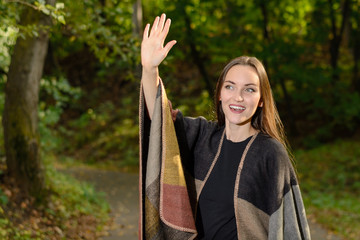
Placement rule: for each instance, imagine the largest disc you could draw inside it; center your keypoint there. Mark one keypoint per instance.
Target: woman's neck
(238, 133)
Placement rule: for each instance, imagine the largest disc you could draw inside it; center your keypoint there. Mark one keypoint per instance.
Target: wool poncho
(176, 159)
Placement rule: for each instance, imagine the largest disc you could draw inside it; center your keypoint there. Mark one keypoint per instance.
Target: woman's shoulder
(270, 149)
(268, 143)
(197, 129)
(200, 123)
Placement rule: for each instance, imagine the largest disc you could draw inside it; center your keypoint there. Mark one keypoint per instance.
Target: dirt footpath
(121, 191)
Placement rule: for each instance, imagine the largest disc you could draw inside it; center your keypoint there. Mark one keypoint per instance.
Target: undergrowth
(330, 181)
(102, 136)
(74, 210)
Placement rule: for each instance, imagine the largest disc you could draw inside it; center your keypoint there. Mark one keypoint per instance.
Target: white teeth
(237, 108)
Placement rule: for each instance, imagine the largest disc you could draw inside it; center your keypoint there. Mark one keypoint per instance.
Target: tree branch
(345, 14)
(22, 2)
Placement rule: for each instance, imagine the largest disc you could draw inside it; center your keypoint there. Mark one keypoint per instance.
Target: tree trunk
(336, 38)
(265, 27)
(356, 57)
(264, 12)
(20, 117)
(355, 34)
(137, 18)
(287, 97)
(195, 54)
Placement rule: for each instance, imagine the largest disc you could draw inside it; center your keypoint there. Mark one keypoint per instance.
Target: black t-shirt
(216, 213)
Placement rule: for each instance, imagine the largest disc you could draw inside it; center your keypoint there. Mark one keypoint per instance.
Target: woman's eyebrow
(251, 84)
(247, 84)
(230, 82)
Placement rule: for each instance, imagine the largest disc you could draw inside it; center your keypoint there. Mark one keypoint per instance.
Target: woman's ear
(261, 104)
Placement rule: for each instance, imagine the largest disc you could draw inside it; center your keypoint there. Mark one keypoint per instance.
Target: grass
(74, 210)
(330, 181)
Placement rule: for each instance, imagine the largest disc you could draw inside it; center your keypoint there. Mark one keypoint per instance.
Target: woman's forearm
(153, 53)
(150, 83)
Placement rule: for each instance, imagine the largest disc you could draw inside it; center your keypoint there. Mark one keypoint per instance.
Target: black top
(216, 214)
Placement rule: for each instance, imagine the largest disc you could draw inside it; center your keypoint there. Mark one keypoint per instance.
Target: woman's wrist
(150, 70)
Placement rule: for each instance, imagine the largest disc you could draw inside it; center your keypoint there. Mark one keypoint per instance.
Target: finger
(168, 46)
(146, 31)
(174, 113)
(166, 29)
(161, 22)
(154, 26)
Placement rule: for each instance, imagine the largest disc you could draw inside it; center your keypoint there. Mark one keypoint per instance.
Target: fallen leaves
(22, 218)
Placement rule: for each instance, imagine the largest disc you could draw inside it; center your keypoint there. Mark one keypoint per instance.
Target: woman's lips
(236, 108)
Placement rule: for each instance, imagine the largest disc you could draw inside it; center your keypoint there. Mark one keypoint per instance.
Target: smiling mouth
(237, 108)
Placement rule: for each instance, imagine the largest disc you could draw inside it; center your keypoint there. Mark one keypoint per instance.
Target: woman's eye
(251, 90)
(229, 87)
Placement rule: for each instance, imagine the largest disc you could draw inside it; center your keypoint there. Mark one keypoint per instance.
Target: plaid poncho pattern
(176, 160)
(165, 209)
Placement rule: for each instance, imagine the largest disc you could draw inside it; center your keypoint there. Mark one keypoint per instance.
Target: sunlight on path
(121, 191)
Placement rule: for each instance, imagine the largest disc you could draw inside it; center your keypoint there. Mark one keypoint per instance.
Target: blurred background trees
(20, 117)
(88, 98)
(310, 49)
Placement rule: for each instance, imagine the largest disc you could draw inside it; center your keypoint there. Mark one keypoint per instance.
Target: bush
(74, 210)
(330, 177)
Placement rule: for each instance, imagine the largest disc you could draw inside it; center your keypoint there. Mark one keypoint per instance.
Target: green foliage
(103, 135)
(72, 198)
(100, 34)
(201, 106)
(10, 11)
(290, 37)
(97, 52)
(330, 177)
(105, 27)
(2, 101)
(9, 232)
(7, 40)
(3, 198)
(56, 12)
(69, 200)
(55, 95)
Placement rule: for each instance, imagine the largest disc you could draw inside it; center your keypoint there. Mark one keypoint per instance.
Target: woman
(230, 179)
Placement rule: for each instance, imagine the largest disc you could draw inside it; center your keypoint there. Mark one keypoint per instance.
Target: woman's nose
(239, 97)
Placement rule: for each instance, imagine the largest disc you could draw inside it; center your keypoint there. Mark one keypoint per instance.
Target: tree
(337, 35)
(137, 18)
(267, 42)
(20, 117)
(355, 45)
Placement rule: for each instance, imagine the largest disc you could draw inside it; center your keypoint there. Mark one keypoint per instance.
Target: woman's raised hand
(153, 51)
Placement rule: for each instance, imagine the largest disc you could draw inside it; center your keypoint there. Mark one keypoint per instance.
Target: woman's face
(240, 95)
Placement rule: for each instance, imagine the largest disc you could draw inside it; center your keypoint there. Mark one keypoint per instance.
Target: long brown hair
(266, 118)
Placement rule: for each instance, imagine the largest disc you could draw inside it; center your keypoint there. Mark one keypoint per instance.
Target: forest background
(86, 96)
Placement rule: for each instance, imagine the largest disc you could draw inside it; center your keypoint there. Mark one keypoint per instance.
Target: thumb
(169, 45)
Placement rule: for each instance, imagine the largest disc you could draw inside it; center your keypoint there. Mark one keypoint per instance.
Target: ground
(121, 190)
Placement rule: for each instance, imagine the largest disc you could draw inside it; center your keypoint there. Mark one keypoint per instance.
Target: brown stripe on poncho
(165, 210)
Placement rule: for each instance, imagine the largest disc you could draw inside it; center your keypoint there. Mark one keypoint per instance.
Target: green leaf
(45, 11)
(60, 5)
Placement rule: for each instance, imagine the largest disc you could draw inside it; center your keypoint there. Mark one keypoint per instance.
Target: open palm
(153, 51)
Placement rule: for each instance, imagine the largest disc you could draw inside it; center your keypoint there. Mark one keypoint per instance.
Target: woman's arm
(153, 53)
